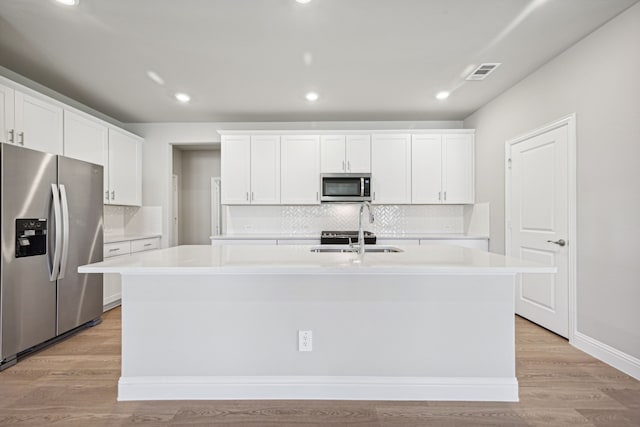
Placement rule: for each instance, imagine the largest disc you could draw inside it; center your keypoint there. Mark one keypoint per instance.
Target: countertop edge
(301, 271)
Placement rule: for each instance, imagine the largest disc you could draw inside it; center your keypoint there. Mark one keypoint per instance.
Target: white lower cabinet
(280, 242)
(111, 286)
(111, 283)
(398, 242)
(482, 244)
(227, 242)
(290, 242)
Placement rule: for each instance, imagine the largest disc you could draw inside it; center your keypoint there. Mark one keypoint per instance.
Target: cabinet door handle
(247, 196)
(106, 195)
(252, 196)
(343, 166)
(147, 244)
(349, 165)
(113, 195)
(12, 135)
(317, 195)
(114, 250)
(445, 196)
(374, 195)
(21, 136)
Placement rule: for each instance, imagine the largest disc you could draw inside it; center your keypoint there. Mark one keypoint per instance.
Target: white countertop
(316, 236)
(298, 259)
(112, 238)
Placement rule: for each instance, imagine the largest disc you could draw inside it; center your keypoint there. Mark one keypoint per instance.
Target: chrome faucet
(360, 227)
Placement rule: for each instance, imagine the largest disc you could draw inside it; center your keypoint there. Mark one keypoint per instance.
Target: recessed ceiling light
(303, 1)
(442, 95)
(311, 96)
(155, 77)
(68, 2)
(183, 97)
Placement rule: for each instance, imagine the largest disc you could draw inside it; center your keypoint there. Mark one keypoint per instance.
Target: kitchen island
(222, 322)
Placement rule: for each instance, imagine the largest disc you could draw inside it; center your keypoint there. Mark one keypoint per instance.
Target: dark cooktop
(345, 237)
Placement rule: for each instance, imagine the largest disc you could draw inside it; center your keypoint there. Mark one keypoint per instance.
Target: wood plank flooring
(73, 383)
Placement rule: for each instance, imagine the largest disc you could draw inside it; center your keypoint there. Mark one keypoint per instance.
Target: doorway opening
(194, 166)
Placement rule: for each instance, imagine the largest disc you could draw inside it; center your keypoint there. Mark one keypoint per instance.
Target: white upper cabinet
(458, 169)
(358, 148)
(416, 167)
(300, 170)
(125, 168)
(250, 169)
(85, 138)
(7, 132)
(265, 170)
(332, 148)
(426, 169)
(391, 168)
(38, 123)
(346, 154)
(236, 169)
(442, 169)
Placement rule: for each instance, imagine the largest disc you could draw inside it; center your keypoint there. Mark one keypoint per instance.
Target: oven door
(346, 187)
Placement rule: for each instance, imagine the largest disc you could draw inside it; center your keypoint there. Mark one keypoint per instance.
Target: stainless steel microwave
(346, 187)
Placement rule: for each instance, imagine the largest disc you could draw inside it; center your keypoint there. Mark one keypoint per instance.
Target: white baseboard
(111, 303)
(317, 388)
(609, 355)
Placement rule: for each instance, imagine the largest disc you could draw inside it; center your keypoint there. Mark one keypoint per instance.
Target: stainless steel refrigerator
(50, 223)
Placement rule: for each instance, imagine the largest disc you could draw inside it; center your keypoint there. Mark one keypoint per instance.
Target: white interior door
(538, 229)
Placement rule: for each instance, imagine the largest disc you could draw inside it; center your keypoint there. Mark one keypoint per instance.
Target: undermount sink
(346, 249)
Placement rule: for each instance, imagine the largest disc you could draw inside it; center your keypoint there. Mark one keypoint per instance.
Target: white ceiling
(244, 60)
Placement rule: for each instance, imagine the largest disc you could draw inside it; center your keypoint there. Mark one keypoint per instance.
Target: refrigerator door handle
(55, 264)
(65, 231)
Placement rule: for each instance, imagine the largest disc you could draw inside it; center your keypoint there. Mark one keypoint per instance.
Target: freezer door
(27, 297)
(80, 295)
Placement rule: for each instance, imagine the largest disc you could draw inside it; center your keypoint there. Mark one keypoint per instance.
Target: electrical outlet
(305, 340)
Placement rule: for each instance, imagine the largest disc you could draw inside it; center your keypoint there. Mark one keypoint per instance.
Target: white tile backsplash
(123, 220)
(389, 219)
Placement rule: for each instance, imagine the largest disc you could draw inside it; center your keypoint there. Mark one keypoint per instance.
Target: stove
(345, 237)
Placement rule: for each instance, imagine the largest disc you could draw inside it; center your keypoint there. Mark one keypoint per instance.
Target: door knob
(558, 242)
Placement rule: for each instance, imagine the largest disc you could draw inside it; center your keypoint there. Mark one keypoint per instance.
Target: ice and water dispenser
(31, 237)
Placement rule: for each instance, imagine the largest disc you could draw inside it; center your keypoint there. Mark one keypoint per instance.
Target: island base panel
(389, 337)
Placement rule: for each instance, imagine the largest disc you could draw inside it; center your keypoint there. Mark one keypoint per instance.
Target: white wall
(598, 79)
(157, 155)
(198, 167)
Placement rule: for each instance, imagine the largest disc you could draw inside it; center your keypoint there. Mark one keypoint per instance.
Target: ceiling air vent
(482, 71)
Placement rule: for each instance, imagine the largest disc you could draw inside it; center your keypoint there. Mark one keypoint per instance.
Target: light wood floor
(73, 383)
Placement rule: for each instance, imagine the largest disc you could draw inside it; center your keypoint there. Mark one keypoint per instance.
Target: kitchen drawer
(116, 249)
(145, 244)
